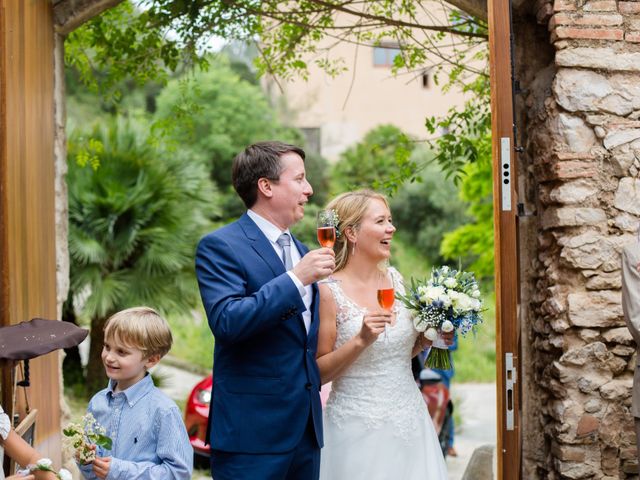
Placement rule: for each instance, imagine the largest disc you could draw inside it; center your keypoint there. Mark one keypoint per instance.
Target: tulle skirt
(354, 451)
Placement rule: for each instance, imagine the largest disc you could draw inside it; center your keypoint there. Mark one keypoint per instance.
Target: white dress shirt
(272, 233)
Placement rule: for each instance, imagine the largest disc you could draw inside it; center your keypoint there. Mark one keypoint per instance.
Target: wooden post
(506, 258)
(27, 198)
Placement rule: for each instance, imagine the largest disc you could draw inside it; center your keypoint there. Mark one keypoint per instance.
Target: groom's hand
(315, 265)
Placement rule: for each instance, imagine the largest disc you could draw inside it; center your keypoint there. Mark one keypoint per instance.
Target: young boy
(150, 441)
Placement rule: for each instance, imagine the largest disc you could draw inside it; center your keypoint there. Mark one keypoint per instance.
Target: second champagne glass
(326, 227)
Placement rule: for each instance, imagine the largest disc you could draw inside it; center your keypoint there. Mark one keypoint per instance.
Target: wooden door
(505, 226)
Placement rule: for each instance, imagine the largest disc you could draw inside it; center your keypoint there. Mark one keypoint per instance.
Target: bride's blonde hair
(350, 207)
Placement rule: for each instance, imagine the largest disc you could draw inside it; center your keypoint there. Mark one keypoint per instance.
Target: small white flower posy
(46, 465)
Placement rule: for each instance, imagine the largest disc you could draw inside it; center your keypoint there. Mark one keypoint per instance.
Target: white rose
(65, 474)
(445, 269)
(434, 293)
(419, 325)
(463, 302)
(431, 334)
(475, 293)
(450, 282)
(446, 300)
(476, 305)
(447, 326)
(455, 296)
(44, 462)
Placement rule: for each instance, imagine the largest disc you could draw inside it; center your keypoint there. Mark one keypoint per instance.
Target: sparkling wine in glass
(386, 299)
(327, 236)
(327, 222)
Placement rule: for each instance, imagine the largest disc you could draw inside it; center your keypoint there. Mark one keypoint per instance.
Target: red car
(197, 415)
(434, 393)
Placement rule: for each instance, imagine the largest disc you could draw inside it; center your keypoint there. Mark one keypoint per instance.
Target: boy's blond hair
(142, 328)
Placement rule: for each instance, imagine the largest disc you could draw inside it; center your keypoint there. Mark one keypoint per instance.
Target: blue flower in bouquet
(449, 300)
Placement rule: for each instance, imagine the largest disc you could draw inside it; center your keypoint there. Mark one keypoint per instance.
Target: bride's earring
(353, 249)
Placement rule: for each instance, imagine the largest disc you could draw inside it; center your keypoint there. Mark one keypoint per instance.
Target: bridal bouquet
(448, 301)
(84, 437)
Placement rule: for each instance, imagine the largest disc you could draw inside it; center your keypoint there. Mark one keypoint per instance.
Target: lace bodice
(378, 387)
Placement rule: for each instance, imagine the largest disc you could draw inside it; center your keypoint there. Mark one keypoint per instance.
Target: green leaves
(151, 40)
(474, 242)
(382, 161)
(103, 441)
(462, 133)
(134, 222)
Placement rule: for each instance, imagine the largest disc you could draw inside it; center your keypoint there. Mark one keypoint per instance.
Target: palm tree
(134, 221)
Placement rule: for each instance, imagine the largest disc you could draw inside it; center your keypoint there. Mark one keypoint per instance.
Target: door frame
(509, 445)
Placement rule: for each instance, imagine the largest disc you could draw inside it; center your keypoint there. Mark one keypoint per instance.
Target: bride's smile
(376, 231)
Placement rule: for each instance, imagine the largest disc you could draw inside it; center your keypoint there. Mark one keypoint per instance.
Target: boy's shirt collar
(134, 392)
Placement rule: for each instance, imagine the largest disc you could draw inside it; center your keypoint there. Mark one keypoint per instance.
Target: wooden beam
(506, 248)
(70, 14)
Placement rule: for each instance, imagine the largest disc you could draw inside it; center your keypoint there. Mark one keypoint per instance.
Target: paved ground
(476, 404)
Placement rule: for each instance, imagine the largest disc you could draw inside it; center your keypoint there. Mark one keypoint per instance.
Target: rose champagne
(386, 298)
(327, 236)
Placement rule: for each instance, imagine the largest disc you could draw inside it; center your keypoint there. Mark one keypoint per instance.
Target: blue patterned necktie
(284, 241)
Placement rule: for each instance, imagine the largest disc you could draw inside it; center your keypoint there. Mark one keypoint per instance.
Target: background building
(335, 113)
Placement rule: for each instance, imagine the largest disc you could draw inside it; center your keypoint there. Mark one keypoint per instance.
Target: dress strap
(338, 295)
(396, 279)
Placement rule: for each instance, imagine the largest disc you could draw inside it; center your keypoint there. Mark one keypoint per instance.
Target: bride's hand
(422, 343)
(373, 325)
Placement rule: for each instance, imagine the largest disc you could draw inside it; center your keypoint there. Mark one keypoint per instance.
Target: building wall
(346, 107)
(27, 216)
(578, 119)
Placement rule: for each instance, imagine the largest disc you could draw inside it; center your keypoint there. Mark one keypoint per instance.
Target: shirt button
(307, 386)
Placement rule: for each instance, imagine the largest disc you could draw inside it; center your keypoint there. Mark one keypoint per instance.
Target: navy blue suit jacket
(265, 377)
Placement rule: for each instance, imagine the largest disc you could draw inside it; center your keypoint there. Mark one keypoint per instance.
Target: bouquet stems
(439, 356)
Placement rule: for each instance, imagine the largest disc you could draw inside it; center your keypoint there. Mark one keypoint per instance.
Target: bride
(376, 425)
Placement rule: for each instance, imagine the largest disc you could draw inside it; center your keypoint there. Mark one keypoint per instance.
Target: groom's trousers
(302, 463)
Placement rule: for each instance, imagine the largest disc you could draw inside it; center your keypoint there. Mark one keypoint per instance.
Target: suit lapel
(261, 245)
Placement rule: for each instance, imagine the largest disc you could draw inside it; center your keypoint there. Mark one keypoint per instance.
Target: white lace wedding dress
(376, 424)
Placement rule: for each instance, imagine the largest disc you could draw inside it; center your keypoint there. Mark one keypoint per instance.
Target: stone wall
(579, 122)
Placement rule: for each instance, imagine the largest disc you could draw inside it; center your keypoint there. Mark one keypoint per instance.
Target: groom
(257, 284)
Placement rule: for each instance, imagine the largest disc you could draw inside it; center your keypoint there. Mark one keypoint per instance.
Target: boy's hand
(82, 452)
(101, 466)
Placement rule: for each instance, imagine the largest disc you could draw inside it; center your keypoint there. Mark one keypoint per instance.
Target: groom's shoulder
(224, 232)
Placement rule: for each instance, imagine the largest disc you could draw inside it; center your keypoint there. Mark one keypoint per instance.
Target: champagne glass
(386, 299)
(327, 222)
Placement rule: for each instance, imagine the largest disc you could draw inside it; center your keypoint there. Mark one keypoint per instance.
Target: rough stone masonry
(578, 120)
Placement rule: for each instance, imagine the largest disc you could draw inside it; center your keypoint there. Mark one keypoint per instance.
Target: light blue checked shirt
(150, 441)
